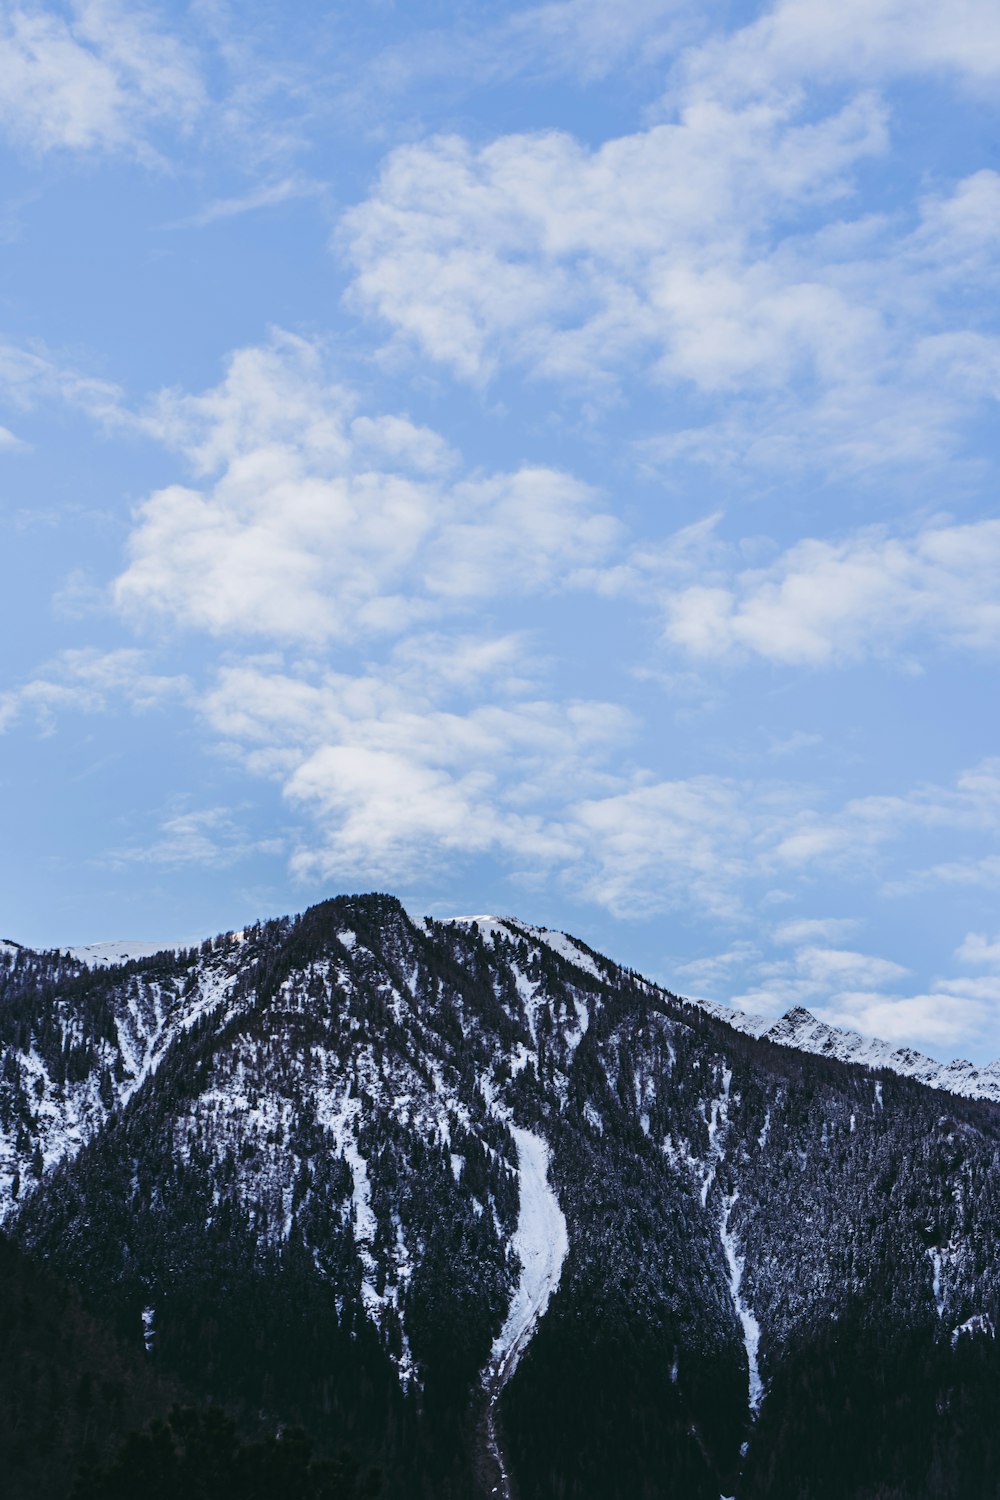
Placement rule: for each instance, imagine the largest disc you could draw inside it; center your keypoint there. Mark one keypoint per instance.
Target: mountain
(800, 1029)
(509, 1219)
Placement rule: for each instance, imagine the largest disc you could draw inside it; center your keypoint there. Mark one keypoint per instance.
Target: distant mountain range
(506, 1217)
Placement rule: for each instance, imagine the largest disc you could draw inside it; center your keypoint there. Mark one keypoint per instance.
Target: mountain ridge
(797, 1027)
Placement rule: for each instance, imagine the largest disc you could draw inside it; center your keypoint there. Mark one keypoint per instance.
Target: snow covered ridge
(69, 1060)
(566, 947)
(106, 955)
(799, 1029)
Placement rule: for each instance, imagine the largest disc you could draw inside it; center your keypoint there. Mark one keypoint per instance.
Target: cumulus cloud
(983, 871)
(446, 748)
(719, 250)
(538, 250)
(980, 950)
(317, 523)
(662, 845)
(397, 776)
(854, 835)
(823, 602)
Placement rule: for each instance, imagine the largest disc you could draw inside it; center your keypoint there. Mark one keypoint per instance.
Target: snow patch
(540, 1243)
(749, 1324)
(718, 1116)
(559, 942)
(106, 955)
(934, 1255)
(980, 1325)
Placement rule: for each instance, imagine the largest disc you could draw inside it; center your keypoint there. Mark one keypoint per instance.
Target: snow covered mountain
(510, 1218)
(800, 1029)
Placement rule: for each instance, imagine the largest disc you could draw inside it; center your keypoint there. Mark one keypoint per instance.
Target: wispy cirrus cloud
(209, 838)
(267, 195)
(33, 377)
(86, 680)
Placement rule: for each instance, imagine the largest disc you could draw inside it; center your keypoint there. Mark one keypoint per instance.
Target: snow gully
(749, 1324)
(541, 1242)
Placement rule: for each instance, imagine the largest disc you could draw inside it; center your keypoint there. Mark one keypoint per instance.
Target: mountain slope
(507, 1216)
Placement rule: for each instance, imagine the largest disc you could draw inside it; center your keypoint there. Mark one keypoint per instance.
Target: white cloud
(668, 844)
(852, 989)
(823, 602)
(825, 968)
(316, 524)
(978, 949)
(815, 975)
(567, 260)
(716, 970)
(804, 930)
(86, 680)
(31, 377)
(387, 811)
(267, 195)
(793, 743)
(397, 777)
(852, 837)
(984, 871)
(587, 37)
(720, 251)
(209, 837)
(410, 766)
(937, 1019)
(582, 39)
(443, 749)
(95, 79)
(800, 41)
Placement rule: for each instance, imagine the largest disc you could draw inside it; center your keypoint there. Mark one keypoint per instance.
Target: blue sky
(536, 459)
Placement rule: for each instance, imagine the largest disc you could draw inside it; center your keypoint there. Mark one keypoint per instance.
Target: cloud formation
(720, 252)
(825, 602)
(85, 680)
(93, 80)
(316, 523)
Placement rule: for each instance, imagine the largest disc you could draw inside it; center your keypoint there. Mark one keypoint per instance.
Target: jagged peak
(797, 1015)
(799, 1029)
